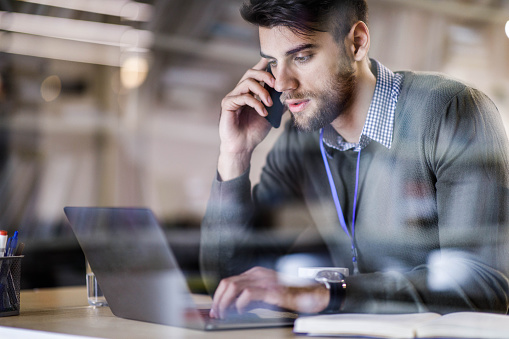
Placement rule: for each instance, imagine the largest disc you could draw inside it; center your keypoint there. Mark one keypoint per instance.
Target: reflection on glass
(94, 293)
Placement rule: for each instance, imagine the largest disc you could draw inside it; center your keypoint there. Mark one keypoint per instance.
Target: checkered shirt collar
(379, 123)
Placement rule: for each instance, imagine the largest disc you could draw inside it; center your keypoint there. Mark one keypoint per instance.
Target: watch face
(329, 276)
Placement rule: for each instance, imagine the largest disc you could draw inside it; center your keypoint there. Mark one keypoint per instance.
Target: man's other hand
(260, 285)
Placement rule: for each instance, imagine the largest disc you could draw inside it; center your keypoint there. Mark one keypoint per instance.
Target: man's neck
(351, 122)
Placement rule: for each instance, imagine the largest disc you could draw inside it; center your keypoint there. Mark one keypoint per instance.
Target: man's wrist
(233, 165)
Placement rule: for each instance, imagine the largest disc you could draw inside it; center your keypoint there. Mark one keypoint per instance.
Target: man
(404, 174)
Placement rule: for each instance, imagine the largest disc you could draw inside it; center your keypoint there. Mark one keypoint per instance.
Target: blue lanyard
(338, 205)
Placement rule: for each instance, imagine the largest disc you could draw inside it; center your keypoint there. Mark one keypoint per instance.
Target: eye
(303, 59)
(272, 63)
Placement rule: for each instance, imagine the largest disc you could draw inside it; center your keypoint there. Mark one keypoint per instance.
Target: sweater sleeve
(467, 151)
(236, 231)
(227, 218)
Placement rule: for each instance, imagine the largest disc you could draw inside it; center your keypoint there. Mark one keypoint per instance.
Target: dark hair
(306, 17)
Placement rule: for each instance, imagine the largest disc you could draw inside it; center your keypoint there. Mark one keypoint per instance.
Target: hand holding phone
(277, 109)
(241, 125)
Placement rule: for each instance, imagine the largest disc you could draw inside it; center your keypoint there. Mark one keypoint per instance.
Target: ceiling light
(133, 72)
(59, 49)
(77, 30)
(51, 88)
(126, 9)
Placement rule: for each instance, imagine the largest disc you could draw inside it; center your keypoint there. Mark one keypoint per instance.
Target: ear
(359, 40)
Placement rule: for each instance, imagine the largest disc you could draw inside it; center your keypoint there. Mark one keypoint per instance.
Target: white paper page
(467, 325)
(370, 325)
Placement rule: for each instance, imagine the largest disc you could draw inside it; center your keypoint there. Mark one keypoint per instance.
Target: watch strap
(337, 292)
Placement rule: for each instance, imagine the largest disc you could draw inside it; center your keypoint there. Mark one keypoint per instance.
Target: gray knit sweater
(432, 214)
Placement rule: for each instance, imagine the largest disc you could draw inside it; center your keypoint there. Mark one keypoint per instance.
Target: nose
(285, 80)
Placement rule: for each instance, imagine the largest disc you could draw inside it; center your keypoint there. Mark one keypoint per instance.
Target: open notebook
(416, 325)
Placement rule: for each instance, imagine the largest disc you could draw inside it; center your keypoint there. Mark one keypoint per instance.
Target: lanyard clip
(354, 254)
(354, 261)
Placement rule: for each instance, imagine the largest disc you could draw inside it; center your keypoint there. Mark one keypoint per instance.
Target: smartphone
(277, 109)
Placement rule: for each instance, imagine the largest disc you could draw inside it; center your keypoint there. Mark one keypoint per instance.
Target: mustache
(295, 96)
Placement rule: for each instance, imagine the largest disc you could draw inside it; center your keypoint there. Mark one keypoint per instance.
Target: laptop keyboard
(234, 317)
(256, 315)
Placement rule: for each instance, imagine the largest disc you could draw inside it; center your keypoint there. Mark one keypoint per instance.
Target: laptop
(139, 276)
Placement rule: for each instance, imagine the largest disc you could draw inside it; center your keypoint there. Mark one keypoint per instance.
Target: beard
(331, 102)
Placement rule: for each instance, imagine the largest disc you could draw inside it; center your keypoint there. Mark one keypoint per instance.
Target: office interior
(116, 103)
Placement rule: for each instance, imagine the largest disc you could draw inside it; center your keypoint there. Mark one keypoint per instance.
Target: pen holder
(10, 274)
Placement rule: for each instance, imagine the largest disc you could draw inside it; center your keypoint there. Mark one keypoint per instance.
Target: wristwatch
(335, 283)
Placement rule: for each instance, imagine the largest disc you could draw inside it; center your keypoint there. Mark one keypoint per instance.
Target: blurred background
(116, 103)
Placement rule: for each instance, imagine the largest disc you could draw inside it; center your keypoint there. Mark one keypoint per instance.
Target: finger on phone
(233, 103)
(259, 73)
(251, 86)
(261, 65)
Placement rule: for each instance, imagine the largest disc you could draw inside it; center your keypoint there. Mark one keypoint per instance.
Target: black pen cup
(10, 274)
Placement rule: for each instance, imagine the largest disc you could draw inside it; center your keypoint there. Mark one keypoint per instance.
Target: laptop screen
(134, 265)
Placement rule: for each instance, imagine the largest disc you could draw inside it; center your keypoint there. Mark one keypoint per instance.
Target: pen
(12, 244)
(3, 242)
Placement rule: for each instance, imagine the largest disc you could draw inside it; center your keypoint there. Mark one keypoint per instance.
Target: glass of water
(94, 293)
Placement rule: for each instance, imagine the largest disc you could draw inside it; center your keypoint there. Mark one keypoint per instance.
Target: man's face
(313, 73)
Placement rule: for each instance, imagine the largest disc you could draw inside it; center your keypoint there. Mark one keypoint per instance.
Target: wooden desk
(65, 310)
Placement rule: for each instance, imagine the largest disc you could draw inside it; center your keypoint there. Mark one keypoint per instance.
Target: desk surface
(65, 310)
